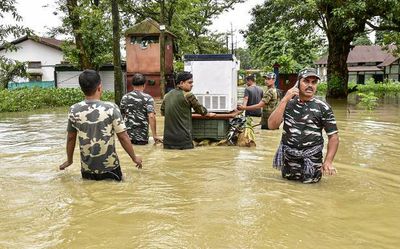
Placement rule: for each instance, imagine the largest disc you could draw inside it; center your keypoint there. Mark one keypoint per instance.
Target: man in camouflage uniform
(299, 155)
(177, 109)
(95, 123)
(268, 102)
(137, 108)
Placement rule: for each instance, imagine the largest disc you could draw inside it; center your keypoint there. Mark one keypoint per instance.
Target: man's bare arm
(125, 141)
(71, 140)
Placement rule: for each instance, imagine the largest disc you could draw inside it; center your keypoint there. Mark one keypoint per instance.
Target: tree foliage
(188, 20)
(340, 21)
(7, 7)
(90, 24)
(361, 39)
(291, 49)
(10, 70)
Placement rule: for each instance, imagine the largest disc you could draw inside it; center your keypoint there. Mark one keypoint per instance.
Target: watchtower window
(34, 64)
(145, 41)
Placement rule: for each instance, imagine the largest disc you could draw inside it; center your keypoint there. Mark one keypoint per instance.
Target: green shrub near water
(26, 99)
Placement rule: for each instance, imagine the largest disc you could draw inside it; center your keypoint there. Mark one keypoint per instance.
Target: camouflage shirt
(271, 100)
(96, 122)
(135, 107)
(303, 123)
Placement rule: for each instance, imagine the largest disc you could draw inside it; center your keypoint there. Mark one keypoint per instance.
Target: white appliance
(214, 80)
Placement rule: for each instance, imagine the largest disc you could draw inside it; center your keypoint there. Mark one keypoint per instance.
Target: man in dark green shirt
(177, 109)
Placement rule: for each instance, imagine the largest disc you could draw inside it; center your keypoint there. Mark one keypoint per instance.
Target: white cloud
(239, 17)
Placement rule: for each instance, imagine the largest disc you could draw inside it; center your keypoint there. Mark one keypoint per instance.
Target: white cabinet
(214, 80)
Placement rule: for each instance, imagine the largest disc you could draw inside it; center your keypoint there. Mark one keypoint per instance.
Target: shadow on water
(209, 197)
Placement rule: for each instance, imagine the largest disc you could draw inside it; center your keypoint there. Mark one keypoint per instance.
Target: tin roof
(365, 54)
(146, 27)
(364, 69)
(51, 42)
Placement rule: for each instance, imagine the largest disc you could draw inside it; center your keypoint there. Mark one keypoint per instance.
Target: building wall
(69, 79)
(322, 72)
(34, 51)
(392, 72)
(354, 76)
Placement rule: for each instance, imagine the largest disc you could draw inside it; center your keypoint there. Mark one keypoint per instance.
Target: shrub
(26, 99)
(368, 100)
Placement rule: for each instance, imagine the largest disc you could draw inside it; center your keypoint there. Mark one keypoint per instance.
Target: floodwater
(208, 197)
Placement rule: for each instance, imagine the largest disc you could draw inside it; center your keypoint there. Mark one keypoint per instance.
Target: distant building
(40, 53)
(66, 76)
(366, 62)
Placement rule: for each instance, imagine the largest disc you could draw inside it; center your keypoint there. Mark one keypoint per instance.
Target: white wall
(69, 79)
(33, 51)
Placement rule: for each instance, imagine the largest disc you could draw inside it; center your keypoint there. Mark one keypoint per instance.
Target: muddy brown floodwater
(208, 197)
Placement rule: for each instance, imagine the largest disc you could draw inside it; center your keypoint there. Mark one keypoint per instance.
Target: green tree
(189, 20)
(7, 7)
(340, 21)
(361, 39)
(244, 56)
(90, 24)
(288, 47)
(11, 69)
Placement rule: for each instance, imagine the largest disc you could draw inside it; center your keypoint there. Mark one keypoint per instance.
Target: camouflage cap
(269, 75)
(307, 72)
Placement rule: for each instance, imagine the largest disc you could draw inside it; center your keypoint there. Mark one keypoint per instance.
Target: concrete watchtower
(143, 55)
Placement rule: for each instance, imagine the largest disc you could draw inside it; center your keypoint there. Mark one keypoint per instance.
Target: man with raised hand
(299, 155)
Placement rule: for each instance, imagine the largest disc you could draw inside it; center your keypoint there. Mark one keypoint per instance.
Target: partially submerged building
(366, 62)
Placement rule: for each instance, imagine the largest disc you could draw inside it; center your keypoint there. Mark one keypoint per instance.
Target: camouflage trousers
(294, 168)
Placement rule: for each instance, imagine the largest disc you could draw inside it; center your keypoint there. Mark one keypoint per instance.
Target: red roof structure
(51, 42)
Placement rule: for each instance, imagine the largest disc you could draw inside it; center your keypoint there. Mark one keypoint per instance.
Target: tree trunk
(72, 6)
(118, 84)
(162, 48)
(337, 71)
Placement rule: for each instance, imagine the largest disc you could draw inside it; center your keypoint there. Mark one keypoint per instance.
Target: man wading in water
(177, 109)
(95, 123)
(299, 155)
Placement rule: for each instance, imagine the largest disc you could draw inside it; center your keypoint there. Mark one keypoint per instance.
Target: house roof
(365, 54)
(364, 69)
(51, 42)
(146, 27)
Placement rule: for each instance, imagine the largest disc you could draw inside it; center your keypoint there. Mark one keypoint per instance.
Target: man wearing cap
(268, 102)
(252, 95)
(299, 155)
(177, 109)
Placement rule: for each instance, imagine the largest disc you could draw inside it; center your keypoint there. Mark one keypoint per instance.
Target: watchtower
(143, 55)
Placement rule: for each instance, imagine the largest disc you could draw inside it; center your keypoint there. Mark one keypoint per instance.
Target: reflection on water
(209, 197)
